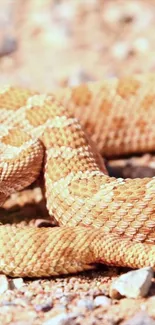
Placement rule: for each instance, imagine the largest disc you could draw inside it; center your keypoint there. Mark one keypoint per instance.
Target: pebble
(120, 50)
(58, 319)
(102, 301)
(133, 284)
(79, 76)
(141, 45)
(4, 283)
(17, 283)
(140, 319)
(42, 223)
(44, 307)
(65, 11)
(86, 303)
(112, 14)
(8, 46)
(64, 300)
(29, 294)
(18, 302)
(59, 292)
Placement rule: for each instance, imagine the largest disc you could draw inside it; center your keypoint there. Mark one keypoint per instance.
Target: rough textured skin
(102, 219)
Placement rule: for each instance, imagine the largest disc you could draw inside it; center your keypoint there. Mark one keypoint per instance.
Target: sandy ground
(45, 45)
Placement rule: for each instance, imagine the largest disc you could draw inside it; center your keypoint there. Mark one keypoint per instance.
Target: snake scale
(101, 219)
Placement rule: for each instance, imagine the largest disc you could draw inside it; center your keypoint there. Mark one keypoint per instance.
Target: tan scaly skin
(101, 219)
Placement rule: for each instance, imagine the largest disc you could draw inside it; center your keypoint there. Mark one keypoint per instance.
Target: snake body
(101, 219)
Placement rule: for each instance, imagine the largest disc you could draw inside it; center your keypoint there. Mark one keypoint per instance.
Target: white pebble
(4, 283)
(57, 320)
(85, 303)
(17, 283)
(141, 45)
(133, 284)
(102, 301)
(120, 50)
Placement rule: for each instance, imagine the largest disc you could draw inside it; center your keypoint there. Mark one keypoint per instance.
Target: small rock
(44, 307)
(4, 283)
(86, 303)
(58, 319)
(79, 76)
(133, 284)
(65, 11)
(140, 319)
(102, 301)
(16, 302)
(59, 293)
(112, 14)
(64, 300)
(42, 223)
(120, 50)
(8, 46)
(17, 283)
(141, 45)
(28, 294)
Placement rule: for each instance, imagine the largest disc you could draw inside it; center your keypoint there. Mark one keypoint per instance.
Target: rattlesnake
(102, 219)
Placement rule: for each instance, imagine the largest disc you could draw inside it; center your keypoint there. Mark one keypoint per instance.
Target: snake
(65, 134)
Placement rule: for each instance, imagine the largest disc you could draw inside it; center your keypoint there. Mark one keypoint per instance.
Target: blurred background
(46, 44)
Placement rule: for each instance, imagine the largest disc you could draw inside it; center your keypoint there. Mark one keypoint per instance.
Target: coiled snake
(101, 219)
